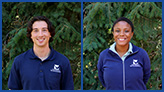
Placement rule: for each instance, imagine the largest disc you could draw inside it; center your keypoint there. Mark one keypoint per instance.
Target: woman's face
(122, 33)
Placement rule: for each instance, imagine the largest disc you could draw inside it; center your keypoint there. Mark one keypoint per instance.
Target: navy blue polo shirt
(29, 72)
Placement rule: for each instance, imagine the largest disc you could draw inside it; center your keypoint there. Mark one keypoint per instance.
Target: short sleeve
(67, 78)
(14, 82)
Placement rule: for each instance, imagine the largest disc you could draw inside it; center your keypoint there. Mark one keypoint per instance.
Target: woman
(123, 66)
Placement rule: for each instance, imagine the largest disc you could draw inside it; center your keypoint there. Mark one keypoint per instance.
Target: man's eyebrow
(35, 28)
(44, 28)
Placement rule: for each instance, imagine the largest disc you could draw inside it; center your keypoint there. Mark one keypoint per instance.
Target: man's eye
(35, 30)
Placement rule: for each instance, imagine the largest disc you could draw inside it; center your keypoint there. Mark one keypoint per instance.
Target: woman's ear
(132, 34)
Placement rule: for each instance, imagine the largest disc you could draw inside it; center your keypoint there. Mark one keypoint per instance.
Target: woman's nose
(121, 32)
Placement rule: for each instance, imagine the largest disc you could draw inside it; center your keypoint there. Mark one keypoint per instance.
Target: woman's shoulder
(139, 50)
(104, 52)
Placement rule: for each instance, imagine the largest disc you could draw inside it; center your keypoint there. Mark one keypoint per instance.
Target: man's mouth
(40, 40)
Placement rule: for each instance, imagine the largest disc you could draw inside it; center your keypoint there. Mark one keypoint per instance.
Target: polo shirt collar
(50, 57)
(52, 54)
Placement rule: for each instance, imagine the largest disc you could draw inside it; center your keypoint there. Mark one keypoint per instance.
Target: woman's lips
(121, 39)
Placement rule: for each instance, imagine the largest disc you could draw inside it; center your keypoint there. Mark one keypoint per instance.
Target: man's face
(40, 34)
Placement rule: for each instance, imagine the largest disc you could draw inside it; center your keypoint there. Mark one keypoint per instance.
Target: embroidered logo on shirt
(56, 69)
(135, 63)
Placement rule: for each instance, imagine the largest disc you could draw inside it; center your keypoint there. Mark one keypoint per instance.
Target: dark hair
(123, 19)
(40, 18)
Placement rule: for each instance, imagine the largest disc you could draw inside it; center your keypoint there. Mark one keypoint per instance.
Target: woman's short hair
(123, 19)
(40, 18)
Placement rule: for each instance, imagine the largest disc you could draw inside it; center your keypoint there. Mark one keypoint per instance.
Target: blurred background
(66, 18)
(97, 36)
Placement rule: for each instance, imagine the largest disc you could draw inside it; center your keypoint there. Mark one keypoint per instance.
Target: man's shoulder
(59, 56)
(23, 55)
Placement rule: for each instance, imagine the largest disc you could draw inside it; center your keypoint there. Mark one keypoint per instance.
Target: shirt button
(40, 63)
(40, 70)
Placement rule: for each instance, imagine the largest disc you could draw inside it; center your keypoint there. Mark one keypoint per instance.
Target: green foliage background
(97, 36)
(66, 19)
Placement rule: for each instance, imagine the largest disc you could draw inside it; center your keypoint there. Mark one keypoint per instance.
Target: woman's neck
(121, 50)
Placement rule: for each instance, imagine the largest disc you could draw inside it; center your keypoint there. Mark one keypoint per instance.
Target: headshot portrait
(122, 45)
(41, 46)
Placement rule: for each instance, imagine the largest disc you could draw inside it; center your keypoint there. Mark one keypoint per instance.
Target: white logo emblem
(135, 63)
(56, 69)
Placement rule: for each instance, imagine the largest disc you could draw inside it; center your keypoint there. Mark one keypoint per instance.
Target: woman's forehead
(122, 23)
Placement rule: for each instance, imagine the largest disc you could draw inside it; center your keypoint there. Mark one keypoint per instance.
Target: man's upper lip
(121, 38)
(41, 39)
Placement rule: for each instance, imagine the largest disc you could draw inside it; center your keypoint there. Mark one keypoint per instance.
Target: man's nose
(40, 33)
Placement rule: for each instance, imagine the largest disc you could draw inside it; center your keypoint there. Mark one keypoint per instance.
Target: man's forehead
(39, 24)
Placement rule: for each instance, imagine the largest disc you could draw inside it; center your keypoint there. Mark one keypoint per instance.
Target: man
(40, 68)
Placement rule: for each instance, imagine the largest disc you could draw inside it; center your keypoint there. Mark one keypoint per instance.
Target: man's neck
(41, 52)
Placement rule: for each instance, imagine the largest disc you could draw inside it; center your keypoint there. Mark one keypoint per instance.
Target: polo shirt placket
(41, 74)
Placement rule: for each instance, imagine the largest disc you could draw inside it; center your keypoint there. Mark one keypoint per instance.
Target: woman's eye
(117, 31)
(126, 31)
